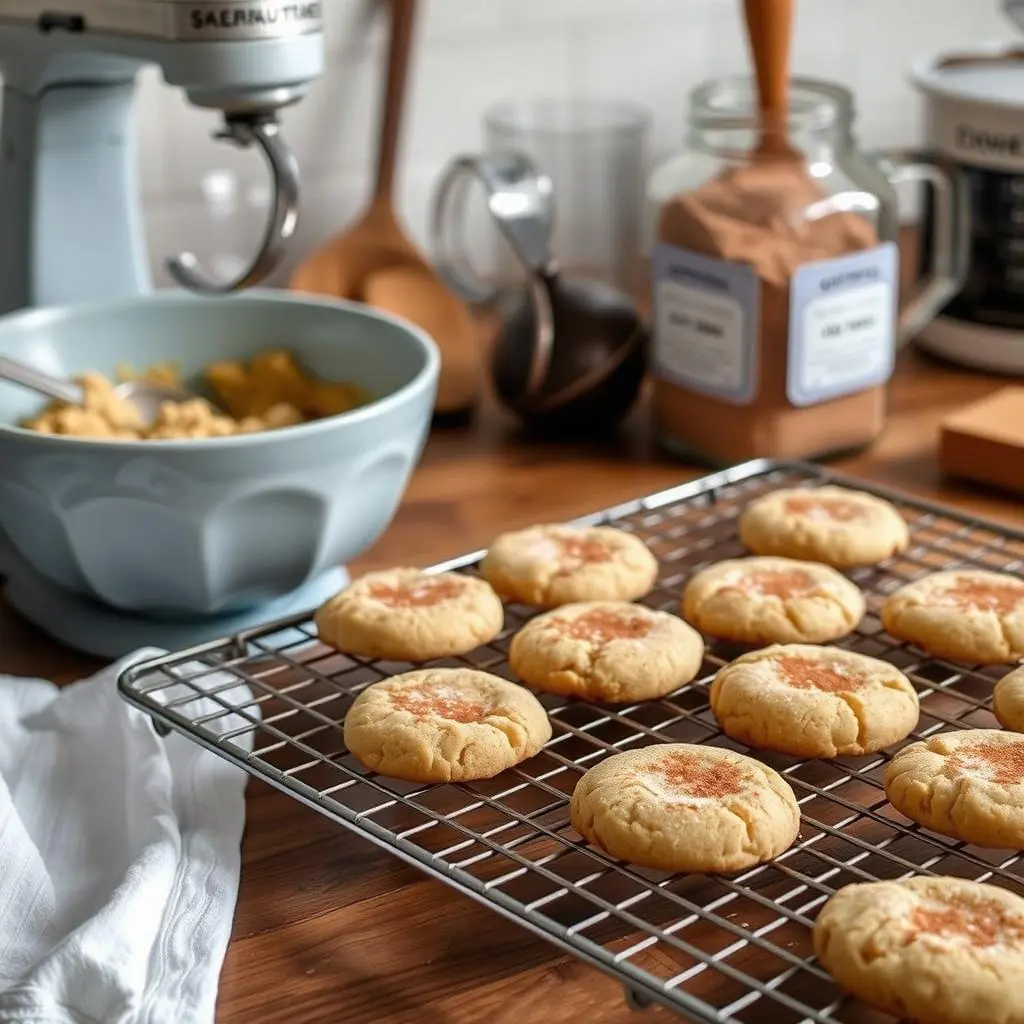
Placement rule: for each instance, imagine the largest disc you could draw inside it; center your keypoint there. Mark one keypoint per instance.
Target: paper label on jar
(842, 325)
(705, 324)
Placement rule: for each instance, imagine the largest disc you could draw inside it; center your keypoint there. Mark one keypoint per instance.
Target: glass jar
(775, 278)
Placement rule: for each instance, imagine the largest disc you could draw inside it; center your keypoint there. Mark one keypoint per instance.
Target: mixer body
(69, 198)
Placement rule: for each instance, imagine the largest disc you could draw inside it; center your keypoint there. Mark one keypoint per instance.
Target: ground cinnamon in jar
(762, 350)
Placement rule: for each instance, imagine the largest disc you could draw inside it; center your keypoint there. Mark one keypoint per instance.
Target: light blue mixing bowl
(211, 526)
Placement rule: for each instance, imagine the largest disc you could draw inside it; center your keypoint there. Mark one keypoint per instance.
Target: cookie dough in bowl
(761, 600)
(270, 392)
(832, 525)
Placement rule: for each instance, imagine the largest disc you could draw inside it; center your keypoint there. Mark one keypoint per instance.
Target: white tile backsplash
(454, 83)
(352, 28)
(471, 53)
(657, 70)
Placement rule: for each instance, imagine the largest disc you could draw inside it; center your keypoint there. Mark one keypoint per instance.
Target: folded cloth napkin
(119, 858)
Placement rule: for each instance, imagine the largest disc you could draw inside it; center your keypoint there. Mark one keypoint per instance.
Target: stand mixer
(69, 202)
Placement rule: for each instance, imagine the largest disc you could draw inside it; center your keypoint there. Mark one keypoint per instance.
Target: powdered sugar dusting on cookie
(820, 509)
(601, 626)
(442, 702)
(543, 546)
(999, 762)
(953, 920)
(809, 674)
(780, 583)
(570, 547)
(422, 593)
(1001, 596)
(692, 779)
(583, 548)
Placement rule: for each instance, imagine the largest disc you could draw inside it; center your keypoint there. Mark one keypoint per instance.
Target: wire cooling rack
(712, 948)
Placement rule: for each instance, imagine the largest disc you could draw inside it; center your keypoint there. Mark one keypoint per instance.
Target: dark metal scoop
(571, 355)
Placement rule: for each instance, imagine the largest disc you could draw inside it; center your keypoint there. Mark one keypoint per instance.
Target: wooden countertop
(329, 929)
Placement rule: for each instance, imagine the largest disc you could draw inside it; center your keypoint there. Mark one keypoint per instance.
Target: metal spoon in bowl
(147, 398)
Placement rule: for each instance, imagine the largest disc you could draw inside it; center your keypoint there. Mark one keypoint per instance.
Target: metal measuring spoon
(147, 398)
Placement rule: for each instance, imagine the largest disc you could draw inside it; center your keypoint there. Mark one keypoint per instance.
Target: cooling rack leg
(637, 1000)
(161, 728)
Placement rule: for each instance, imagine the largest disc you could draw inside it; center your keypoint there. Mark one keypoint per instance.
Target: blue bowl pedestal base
(104, 632)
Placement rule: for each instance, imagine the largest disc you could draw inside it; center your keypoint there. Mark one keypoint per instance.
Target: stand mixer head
(69, 201)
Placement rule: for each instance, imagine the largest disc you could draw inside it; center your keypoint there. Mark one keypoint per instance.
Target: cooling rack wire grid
(712, 948)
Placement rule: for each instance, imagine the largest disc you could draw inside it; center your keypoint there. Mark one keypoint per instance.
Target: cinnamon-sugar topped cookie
(811, 701)
(763, 600)
(551, 565)
(832, 525)
(942, 950)
(610, 651)
(686, 807)
(970, 615)
(409, 615)
(445, 725)
(968, 784)
(1008, 700)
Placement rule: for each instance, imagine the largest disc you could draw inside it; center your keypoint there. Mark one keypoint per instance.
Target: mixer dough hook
(265, 132)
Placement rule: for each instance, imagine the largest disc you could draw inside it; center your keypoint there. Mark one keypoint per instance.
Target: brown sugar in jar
(775, 283)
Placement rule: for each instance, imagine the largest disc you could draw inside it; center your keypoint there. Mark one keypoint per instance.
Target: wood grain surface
(328, 929)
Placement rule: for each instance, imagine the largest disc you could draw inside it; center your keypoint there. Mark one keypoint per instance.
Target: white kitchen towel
(119, 857)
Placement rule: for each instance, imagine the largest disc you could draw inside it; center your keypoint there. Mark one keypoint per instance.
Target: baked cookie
(935, 950)
(548, 566)
(409, 615)
(686, 807)
(969, 615)
(1008, 700)
(811, 701)
(445, 725)
(772, 600)
(967, 784)
(610, 651)
(833, 525)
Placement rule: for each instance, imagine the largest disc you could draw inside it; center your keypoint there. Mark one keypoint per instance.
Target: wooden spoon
(375, 262)
(769, 32)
